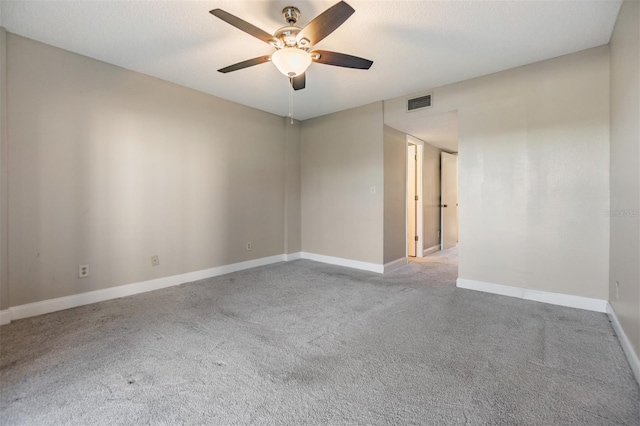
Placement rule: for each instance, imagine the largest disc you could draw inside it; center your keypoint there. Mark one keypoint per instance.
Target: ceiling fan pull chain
(291, 99)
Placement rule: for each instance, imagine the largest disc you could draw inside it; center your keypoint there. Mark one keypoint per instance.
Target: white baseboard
(579, 302)
(60, 303)
(5, 317)
(632, 356)
(395, 264)
(430, 250)
(293, 256)
(356, 264)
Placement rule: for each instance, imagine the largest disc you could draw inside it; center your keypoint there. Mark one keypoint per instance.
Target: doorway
(414, 197)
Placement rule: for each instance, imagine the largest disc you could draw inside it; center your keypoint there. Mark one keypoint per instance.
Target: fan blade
(341, 60)
(298, 82)
(325, 23)
(245, 64)
(244, 26)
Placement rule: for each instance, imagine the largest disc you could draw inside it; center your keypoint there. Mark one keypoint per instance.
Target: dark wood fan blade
(245, 64)
(325, 23)
(342, 60)
(299, 82)
(244, 26)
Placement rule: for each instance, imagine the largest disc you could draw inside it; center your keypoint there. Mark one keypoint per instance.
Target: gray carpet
(308, 343)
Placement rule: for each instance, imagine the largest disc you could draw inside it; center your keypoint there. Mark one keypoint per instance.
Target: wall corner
(4, 275)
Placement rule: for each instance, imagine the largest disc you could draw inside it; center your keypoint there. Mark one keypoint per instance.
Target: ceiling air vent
(419, 103)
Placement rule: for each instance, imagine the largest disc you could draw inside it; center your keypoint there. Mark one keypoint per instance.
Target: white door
(448, 200)
(411, 200)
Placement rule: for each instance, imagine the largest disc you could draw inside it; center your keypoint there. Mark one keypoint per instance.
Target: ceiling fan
(293, 44)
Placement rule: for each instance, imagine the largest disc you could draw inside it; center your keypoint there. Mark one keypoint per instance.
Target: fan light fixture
(293, 44)
(291, 61)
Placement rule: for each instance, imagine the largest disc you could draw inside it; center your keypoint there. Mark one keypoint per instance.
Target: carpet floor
(309, 343)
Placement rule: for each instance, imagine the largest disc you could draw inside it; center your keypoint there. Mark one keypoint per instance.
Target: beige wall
(395, 204)
(533, 173)
(341, 160)
(625, 171)
(431, 196)
(292, 227)
(4, 277)
(109, 167)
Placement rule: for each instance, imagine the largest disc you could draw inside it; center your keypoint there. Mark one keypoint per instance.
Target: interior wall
(4, 277)
(625, 171)
(342, 184)
(292, 210)
(395, 209)
(533, 173)
(109, 167)
(430, 196)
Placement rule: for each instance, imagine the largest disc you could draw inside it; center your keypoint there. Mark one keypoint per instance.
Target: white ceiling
(415, 45)
(439, 130)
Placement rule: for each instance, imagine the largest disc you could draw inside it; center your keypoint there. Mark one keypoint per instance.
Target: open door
(412, 193)
(449, 200)
(414, 197)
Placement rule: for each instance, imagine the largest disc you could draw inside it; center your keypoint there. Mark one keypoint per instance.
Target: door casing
(419, 249)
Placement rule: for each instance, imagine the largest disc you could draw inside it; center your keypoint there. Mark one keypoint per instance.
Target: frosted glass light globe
(291, 61)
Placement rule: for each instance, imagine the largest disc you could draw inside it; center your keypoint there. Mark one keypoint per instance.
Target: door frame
(419, 210)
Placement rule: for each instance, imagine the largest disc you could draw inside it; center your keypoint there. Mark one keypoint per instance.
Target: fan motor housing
(288, 35)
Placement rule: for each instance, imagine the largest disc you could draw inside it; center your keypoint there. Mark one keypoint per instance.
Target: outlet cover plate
(83, 271)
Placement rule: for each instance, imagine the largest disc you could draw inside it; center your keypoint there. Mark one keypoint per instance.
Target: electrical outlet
(373, 190)
(248, 247)
(617, 289)
(83, 271)
(155, 260)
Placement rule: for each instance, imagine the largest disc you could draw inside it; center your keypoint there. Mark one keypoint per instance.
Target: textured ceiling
(439, 130)
(415, 45)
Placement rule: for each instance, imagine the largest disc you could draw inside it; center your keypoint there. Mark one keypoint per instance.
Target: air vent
(419, 103)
